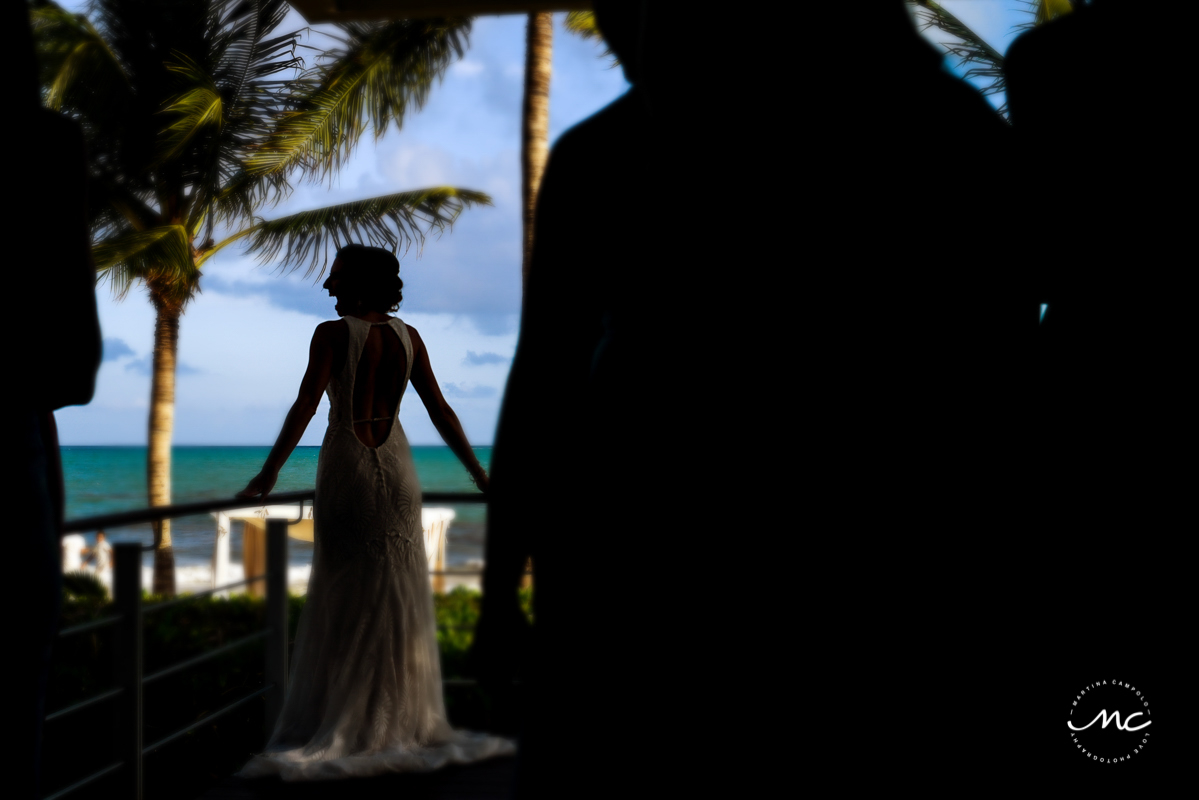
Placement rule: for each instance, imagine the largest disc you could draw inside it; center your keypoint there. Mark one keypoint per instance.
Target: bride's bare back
(379, 384)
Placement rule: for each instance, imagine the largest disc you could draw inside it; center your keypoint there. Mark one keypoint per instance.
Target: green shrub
(457, 615)
(82, 586)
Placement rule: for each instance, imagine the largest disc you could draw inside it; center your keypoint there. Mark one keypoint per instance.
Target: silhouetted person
(587, 458)
(54, 346)
(711, 345)
(1099, 105)
(364, 694)
(100, 554)
(911, 319)
(1109, 102)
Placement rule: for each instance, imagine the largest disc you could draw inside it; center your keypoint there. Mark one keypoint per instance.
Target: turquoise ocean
(104, 480)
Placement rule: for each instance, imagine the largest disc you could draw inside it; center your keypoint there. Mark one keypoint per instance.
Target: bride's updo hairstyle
(370, 278)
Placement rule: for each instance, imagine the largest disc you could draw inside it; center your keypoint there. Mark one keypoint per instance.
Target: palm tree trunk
(534, 139)
(162, 424)
(535, 122)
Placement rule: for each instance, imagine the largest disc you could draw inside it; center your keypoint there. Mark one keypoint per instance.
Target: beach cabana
(73, 545)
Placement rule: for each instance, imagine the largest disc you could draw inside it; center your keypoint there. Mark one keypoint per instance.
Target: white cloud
(467, 68)
(115, 348)
(483, 359)
(461, 390)
(414, 165)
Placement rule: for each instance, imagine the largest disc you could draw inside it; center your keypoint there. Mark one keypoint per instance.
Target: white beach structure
(220, 571)
(434, 521)
(72, 552)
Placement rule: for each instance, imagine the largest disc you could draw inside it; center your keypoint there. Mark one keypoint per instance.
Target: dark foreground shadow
(985, 511)
(485, 780)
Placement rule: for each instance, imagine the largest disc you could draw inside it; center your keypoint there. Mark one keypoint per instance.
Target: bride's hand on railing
(480, 480)
(260, 484)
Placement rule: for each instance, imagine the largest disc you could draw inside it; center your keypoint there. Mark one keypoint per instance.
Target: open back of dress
(365, 694)
(379, 383)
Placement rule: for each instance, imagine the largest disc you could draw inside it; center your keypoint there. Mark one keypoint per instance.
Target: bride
(365, 694)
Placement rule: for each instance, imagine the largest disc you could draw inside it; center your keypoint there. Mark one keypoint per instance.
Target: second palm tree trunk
(162, 424)
(535, 122)
(534, 138)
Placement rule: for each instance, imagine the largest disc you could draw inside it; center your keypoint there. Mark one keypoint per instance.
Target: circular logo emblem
(1110, 722)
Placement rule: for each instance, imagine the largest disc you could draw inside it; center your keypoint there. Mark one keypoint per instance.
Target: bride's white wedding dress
(365, 694)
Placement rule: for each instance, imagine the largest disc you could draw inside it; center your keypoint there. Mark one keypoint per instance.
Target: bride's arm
(316, 378)
(443, 417)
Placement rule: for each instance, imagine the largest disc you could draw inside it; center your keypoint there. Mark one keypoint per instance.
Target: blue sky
(243, 343)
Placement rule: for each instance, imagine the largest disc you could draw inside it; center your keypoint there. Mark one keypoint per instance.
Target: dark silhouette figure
(1098, 105)
(582, 388)
(365, 691)
(52, 369)
(766, 332)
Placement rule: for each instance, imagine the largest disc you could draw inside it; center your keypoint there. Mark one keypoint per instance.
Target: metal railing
(129, 614)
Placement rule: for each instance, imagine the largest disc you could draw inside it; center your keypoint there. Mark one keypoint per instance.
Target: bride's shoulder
(331, 332)
(332, 326)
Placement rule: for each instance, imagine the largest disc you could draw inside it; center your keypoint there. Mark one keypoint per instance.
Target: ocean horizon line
(298, 447)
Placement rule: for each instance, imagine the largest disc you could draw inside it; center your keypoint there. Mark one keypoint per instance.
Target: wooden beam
(315, 11)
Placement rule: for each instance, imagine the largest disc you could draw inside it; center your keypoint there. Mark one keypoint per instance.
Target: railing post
(127, 588)
(276, 620)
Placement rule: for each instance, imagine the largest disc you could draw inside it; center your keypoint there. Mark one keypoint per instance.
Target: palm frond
(582, 24)
(238, 197)
(238, 47)
(967, 47)
(1050, 9)
(1042, 11)
(198, 108)
(79, 71)
(162, 254)
(113, 208)
(380, 72)
(243, 62)
(203, 100)
(132, 210)
(387, 221)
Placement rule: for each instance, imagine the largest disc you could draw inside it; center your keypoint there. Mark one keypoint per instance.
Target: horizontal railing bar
(467, 682)
(87, 626)
(200, 659)
(85, 781)
(146, 750)
(91, 701)
(453, 497)
(84, 524)
(465, 572)
(146, 609)
(181, 510)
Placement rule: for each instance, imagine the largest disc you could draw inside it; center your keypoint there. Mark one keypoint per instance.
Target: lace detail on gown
(364, 695)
